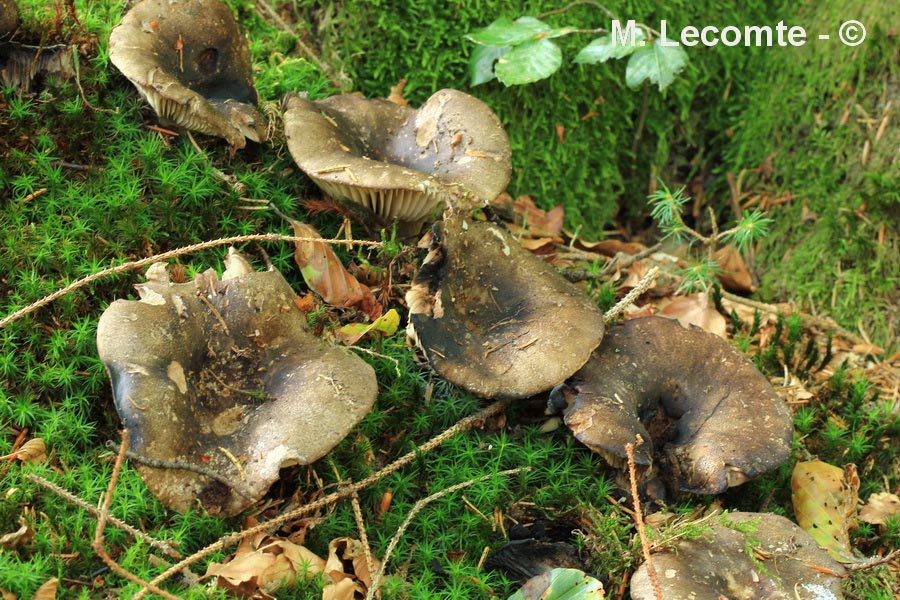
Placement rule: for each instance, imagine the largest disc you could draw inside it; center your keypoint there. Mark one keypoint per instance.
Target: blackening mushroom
(397, 161)
(787, 565)
(188, 59)
(495, 319)
(223, 375)
(703, 407)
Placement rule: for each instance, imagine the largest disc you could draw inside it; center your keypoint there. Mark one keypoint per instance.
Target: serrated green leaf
(602, 49)
(481, 63)
(504, 32)
(529, 62)
(657, 63)
(561, 584)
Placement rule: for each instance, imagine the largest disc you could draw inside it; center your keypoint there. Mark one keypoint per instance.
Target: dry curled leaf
(262, 564)
(824, 498)
(6, 595)
(324, 274)
(32, 451)
(347, 584)
(880, 508)
(696, 309)
(734, 274)
(47, 591)
(13, 540)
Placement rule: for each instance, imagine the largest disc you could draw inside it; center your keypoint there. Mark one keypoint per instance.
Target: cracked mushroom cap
(791, 565)
(223, 375)
(190, 62)
(714, 420)
(495, 319)
(397, 161)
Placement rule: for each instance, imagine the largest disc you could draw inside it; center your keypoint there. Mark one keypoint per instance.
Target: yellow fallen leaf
(824, 498)
(386, 325)
(33, 451)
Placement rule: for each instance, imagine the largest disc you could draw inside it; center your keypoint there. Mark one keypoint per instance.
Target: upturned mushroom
(709, 418)
(495, 319)
(786, 564)
(221, 385)
(399, 162)
(189, 61)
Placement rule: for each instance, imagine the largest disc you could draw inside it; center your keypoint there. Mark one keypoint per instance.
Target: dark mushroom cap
(717, 419)
(397, 161)
(495, 319)
(792, 566)
(188, 59)
(220, 373)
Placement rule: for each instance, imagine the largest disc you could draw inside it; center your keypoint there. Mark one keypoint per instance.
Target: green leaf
(561, 584)
(481, 63)
(504, 32)
(657, 63)
(602, 49)
(529, 62)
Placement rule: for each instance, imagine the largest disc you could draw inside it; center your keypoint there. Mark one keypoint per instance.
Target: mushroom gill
(397, 161)
(224, 376)
(707, 414)
(495, 319)
(190, 62)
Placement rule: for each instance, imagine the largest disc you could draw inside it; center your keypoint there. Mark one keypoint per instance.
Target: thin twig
(629, 259)
(642, 286)
(873, 562)
(639, 518)
(137, 264)
(98, 545)
(361, 526)
(136, 533)
(226, 541)
(418, 506)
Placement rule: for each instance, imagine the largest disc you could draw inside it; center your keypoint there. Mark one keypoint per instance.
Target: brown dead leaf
(696, 309)
(795, 392)
(867, 349)
(538, 222)
(879, 508)
(610, 247)
(541, 245)
(396, 95)
(325, 275)
(47, 591)
(344, 585)
(560, 132)
(5, 595)
(734, 274)
(636, 271)
(20, 537)
(262, 564)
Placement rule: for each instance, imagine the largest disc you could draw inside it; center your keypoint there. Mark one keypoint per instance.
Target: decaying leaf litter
(563, 250)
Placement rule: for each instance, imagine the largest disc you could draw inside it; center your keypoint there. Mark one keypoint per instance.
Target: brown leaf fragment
(344, 584)
(560, 132)
(696, 309)
(734, 274)
(6, 595)
(880, 508)
(610, 247)
(324, 274)
(396, 95)
(20, 537)
(538, 221)
(32, 451)
(47, 591)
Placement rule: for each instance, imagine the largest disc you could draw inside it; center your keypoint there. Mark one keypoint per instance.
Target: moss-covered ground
(84, 184)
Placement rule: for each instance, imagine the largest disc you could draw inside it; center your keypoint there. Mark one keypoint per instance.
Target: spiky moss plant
(817, 110)
(600, 166)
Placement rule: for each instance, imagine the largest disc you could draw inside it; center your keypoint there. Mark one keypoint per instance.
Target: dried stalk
(376, 581)
(97, 544)
(361, 526)
(226, 541)
(136, 533)
(642, 286)
(639, 519)
(137, 264)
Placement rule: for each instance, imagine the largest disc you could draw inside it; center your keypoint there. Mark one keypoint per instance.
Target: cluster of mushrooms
(247, 389)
